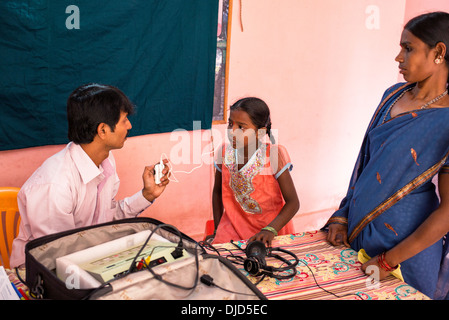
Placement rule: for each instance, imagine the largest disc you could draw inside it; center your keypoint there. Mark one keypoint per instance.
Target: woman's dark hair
(258, 111)
(92, 104)
(431, 28)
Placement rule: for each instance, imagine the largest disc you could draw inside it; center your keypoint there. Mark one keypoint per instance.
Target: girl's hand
(263, 236)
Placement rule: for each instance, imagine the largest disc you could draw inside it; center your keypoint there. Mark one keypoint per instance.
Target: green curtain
(161, 53)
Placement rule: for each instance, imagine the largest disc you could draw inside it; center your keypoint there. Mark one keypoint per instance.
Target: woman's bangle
(271, 229)
(383, 263)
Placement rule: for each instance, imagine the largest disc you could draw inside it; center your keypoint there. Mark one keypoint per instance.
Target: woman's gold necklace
(424, 106)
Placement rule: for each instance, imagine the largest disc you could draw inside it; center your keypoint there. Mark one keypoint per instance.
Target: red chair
(210, 227)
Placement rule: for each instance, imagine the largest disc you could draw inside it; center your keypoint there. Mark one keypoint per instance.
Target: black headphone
(255, 263)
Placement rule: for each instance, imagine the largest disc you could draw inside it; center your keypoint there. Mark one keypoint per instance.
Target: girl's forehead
(240, 116)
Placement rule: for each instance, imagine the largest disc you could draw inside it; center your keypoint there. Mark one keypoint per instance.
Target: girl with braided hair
(254, 197)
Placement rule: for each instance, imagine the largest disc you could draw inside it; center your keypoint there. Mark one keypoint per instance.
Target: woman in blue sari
(392, 209)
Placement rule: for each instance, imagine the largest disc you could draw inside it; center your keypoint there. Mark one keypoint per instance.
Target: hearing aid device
(158, 172)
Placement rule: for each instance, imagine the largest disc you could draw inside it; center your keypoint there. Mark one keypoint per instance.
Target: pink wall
(416, 7)
(321, 66)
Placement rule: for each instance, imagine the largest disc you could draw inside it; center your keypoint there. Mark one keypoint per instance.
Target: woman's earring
(439, 60)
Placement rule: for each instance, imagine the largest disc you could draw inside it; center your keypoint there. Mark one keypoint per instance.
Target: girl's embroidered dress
(251, 195)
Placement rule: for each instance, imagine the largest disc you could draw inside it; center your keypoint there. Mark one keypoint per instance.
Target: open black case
(178, 280)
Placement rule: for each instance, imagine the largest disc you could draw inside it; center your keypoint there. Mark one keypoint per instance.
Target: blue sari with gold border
(391, 190)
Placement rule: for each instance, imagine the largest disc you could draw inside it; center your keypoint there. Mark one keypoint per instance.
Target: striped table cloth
(324, 272)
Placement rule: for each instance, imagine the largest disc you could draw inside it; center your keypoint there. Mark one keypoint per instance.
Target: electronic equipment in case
(113, 265)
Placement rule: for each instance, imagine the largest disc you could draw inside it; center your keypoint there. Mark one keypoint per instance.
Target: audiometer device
(91, 267)
(113, 265)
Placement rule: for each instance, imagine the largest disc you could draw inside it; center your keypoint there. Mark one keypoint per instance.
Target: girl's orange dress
(251, 196)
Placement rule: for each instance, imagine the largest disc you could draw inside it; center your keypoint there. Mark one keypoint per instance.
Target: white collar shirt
(69, 191)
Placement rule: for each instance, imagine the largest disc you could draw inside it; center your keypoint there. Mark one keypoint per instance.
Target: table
(335, 273)
(14, 279)
(336, 270)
